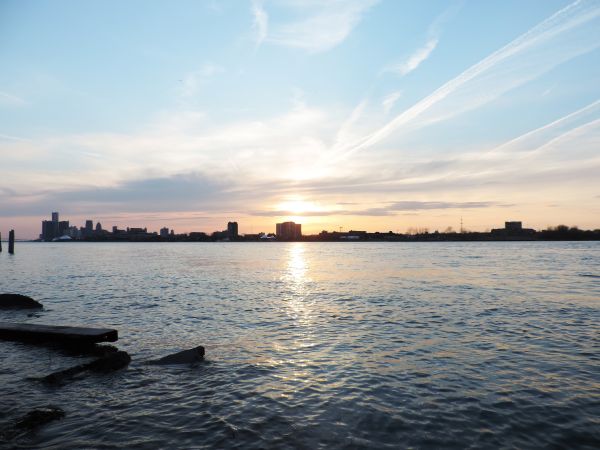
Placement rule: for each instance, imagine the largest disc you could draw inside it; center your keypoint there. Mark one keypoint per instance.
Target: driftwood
(184, 357)
(108, 363)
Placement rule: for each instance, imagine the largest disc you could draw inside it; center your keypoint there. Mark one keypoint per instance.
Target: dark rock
(38, 417)
(184, 357)
(18, 301)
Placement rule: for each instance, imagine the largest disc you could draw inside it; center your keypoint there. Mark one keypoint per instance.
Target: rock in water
(18, 301)
(38, 417)
(184, 357)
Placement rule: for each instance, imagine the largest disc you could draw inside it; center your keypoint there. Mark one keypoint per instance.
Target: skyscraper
(89, 228)
(232, 230)
(53, 228)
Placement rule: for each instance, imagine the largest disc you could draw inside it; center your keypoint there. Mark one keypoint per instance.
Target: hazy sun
(297, 206)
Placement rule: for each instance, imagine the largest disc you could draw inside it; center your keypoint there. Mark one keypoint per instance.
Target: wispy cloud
(325, 25)
(11, 138)
(539, 137)
(415, 60)
(192, 82)
(386, 209)
(11, 100)
(422, 53)
(564, 35)
(261, 22)
(390, 100)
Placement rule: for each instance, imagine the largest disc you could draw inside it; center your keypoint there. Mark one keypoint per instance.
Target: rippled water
(316, 345)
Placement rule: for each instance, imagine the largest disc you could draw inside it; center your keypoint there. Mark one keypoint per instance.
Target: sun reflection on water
(296, 281)
(299, 307)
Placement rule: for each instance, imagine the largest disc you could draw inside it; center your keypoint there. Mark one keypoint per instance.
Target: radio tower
(461, 225)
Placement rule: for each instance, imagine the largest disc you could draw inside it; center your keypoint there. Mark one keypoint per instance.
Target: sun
(297, 206)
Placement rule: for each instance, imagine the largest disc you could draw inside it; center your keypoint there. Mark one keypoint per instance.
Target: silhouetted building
(63, 228)
(73, 232)
(232, 230)
(198, 236)
(513, 229)
(164, 232)
(219, 235)
(353, 235)
(47, 230)
(89, 228)
(98, 228)
(288, 231)
(52, 229)
(513, 226)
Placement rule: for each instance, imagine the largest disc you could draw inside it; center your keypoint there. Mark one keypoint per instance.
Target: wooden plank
(51, 333)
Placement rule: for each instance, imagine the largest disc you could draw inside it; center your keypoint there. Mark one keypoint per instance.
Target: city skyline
(364, 114)
(56, 230)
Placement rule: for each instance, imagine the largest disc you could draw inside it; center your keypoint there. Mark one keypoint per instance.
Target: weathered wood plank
(51, 333)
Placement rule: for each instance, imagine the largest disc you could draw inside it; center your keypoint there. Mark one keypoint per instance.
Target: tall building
(63, 228)
(288, 231)
(89, 228)
(47, 230)
(232, 230)
(164, 232)
(53, 228)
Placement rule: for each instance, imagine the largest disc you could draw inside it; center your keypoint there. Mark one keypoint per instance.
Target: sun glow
(297, 206)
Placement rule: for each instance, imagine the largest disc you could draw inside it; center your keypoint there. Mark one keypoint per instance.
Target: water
(316, 345)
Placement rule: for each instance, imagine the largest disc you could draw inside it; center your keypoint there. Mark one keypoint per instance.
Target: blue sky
(362, 114)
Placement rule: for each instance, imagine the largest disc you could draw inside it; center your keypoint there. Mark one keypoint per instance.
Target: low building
(512, 230)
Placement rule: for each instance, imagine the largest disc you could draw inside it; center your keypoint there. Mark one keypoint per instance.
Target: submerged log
(30, 332)
(109, 363)
(184, 357)
(18, 301)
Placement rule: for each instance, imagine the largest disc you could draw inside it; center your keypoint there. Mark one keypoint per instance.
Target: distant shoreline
(407, 239)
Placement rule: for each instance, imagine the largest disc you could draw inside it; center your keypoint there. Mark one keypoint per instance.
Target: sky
(369, 115)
